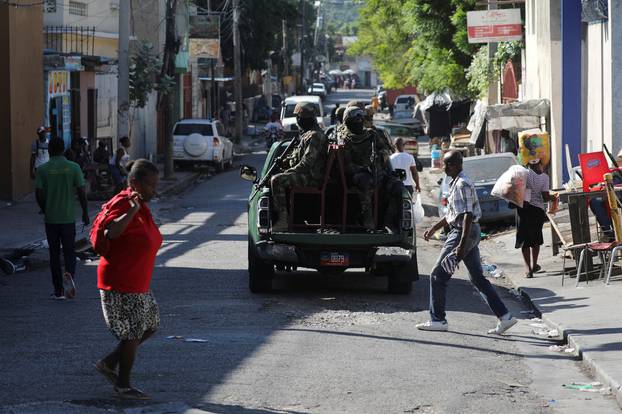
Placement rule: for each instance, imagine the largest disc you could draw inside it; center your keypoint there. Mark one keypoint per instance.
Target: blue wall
(571, 81)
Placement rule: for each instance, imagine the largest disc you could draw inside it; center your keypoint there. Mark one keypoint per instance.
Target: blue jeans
(65, 235)
(472, 261)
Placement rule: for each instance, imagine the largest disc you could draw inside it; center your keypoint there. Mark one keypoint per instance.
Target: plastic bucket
(435, 156)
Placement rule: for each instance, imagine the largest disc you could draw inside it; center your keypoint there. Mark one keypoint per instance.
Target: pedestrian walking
(118, 164)
(124, 276)
(531, 217)
(57, 182)
(463, 213)
(404, 161)
(39, 153)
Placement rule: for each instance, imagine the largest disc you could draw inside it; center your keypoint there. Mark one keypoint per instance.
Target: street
(318, 344)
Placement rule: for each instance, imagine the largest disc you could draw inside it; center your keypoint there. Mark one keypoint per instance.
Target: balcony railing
(70, 40)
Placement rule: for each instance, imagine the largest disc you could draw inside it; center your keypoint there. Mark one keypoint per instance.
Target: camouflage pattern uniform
(360, 172)
(304, 167)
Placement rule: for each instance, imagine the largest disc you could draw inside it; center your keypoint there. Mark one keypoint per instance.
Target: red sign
(502, 25)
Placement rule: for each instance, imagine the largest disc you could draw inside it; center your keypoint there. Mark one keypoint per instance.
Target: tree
(420, 42)
(144, 67)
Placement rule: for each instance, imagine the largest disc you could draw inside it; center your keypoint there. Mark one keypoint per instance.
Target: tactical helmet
(342, 109)
(353, 112)
(304, 110)
(370, 110)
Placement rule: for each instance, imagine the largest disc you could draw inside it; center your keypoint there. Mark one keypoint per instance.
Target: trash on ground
(483, 236)
(562, 348)
(595, 387)
(515, 292)
(538, 325)
(534, 320)
(181, 338)
(552, 333)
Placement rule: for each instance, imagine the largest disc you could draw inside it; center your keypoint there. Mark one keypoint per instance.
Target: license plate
(334, 259)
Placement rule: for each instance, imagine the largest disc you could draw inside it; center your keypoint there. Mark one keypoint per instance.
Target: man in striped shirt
(463, 213)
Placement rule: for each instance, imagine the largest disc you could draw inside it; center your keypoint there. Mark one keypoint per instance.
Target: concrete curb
(566, 333)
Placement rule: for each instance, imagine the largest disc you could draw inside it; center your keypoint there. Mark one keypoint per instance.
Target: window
(50, 6)
(77, 8)
(187, 129)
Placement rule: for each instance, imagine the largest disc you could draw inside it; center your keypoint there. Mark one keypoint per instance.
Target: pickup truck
(323, 233)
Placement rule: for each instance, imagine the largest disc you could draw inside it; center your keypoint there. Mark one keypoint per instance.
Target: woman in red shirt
(124, 275)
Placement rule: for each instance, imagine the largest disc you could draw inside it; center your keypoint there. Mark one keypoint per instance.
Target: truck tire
(400, 280)
(260, 273)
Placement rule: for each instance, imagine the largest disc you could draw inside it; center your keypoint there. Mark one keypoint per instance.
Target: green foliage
(482, 69)
(422, 42)
(144, 67)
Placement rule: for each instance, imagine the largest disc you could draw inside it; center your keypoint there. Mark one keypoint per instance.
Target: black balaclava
(306, 124)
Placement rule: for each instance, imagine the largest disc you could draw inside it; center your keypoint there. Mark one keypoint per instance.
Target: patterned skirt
(129, 315)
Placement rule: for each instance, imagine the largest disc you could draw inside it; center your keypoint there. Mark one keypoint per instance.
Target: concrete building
(572, 58)
(21, 97)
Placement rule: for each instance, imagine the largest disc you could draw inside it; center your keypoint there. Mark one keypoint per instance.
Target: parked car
(317, 89)
(288, 119)
(483, 170)
(405, 103)
(202, 141)
(409, 133)
(405, 117)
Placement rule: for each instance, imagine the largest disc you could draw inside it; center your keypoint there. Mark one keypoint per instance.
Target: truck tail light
(216, 142)
(407, 214)
(263, 215)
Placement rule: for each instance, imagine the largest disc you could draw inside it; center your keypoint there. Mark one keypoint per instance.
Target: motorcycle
(272, 136)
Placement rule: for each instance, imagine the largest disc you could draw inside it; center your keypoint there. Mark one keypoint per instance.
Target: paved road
(318, 344)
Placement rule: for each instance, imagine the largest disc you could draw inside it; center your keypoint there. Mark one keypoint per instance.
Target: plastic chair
(593, 166)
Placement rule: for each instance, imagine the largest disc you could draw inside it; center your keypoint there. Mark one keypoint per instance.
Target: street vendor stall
(513, 117)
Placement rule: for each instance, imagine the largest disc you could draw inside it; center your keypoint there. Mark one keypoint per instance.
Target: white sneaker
(433, 326)
(503, 325)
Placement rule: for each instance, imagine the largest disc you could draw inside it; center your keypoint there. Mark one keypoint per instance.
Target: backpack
(99, 241)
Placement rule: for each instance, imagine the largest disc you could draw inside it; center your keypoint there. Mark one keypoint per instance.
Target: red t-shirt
(128, 267)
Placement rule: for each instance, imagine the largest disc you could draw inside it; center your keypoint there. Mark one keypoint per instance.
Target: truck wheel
(400, 280)
(260, 273)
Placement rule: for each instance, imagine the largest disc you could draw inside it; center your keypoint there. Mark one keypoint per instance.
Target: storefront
(58, 104)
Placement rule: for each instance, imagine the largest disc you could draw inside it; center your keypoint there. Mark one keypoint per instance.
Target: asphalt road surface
(318, 344)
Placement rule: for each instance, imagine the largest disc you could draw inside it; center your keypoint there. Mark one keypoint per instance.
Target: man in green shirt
(57, 182)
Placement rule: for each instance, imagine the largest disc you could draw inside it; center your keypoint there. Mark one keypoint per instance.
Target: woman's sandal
(528, 275)
(130, 393)
(536, 268)
(108, 373)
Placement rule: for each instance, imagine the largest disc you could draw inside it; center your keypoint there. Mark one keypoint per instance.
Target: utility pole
(165, 101)
(237, 71)
(493, 97)
(284, 53)
(123, 85)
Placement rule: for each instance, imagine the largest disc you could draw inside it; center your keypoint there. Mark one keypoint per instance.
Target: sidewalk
(23, 225)
(588, 317)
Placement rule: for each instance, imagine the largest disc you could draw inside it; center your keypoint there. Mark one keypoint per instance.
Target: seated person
(361, 145)
(304, 167)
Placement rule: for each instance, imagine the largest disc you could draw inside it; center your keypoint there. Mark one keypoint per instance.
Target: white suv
(288, 119)
(202, 140)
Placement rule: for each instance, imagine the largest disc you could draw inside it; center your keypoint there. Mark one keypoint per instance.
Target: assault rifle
(277, 163)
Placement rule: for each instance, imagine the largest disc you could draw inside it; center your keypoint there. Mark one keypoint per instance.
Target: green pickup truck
(323, 233)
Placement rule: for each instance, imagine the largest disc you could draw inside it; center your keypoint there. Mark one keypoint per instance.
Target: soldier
(304, 167)
(332, 132)
(368, 167)
(368, 122)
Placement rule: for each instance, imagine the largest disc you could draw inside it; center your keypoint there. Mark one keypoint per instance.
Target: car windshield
(289, 110)
(400, 131)
(187, 129)
(487, 169)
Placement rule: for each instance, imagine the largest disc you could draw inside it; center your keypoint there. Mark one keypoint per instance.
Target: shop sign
(204, 48)
(205, 26)
(489, 26)
(58, 83)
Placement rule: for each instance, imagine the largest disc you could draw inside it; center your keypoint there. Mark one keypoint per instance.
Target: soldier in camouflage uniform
(304, 167)
(368, 165)
(333, 132)
(368, 122)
